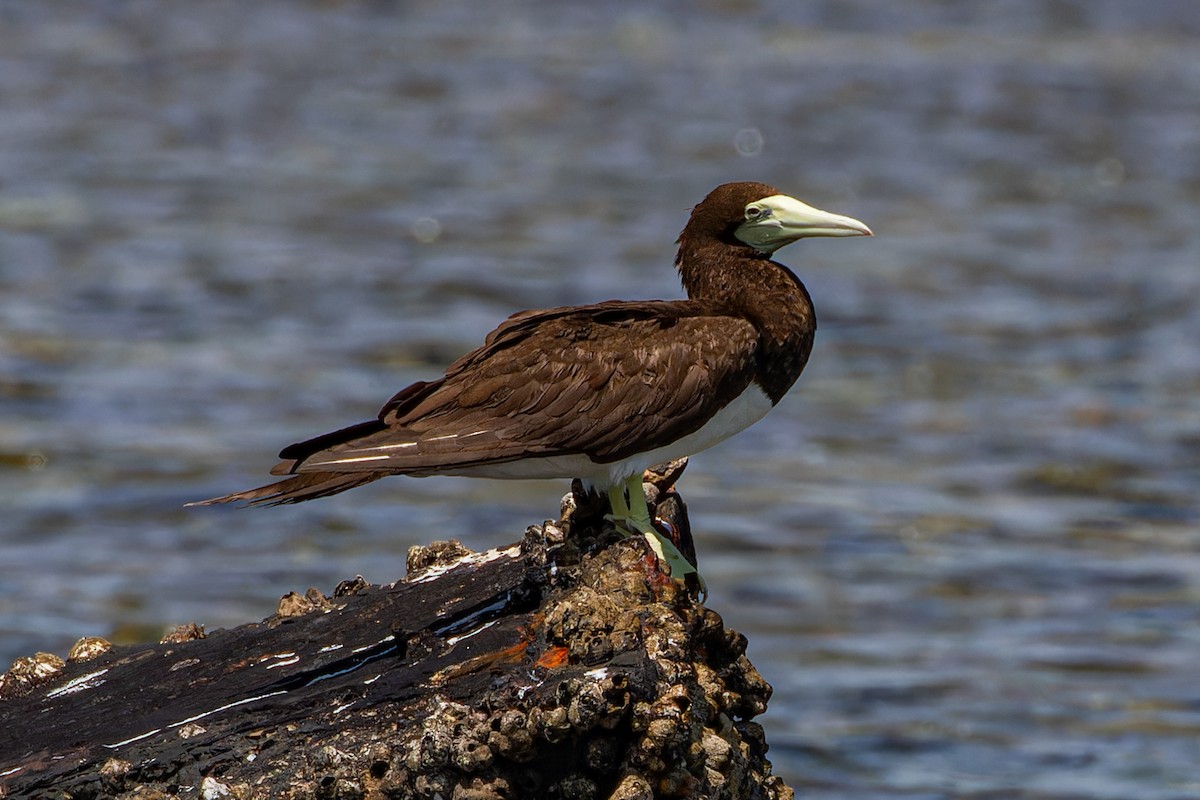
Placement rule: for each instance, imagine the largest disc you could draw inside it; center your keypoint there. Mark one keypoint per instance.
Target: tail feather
(296, 489)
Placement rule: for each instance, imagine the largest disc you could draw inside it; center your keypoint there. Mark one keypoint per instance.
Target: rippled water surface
(964, 548)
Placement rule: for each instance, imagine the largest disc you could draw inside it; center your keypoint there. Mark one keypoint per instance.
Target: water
(964, 548)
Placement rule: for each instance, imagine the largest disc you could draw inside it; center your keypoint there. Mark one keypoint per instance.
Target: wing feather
(607, 381)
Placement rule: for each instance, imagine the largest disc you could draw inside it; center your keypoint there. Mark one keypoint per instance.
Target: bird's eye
(753, 212)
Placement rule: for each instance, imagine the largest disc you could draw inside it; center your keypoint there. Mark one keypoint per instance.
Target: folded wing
(605, 381)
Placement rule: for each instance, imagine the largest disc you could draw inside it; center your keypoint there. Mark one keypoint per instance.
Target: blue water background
(964, 548)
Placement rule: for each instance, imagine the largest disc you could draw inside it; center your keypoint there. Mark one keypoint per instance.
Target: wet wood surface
(565, 665)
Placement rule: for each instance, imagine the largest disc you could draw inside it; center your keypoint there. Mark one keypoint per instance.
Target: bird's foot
(659, 542)
(633, 517)
(668, 553)
(672, 537)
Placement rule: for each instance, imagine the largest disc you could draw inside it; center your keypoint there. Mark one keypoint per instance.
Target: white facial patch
(777, 220)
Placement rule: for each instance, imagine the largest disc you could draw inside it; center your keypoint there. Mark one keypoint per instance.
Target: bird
(600, 392)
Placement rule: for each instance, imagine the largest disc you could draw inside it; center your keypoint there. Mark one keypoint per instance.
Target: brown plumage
(593, 391)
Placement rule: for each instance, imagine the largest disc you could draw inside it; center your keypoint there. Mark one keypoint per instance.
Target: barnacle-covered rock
(28, 673)
(564, 666)
(89, 647)
(188, 632)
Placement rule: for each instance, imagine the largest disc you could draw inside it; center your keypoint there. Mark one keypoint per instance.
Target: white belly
(746, 409)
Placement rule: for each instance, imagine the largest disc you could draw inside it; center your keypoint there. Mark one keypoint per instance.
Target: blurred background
(964, 548)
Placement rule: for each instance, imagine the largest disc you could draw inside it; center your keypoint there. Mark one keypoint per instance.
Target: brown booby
(601, 392)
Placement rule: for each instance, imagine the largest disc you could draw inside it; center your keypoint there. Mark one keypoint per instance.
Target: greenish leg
(616, 500)
(634, 516)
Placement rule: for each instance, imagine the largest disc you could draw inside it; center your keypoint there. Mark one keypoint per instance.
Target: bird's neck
(752, 286)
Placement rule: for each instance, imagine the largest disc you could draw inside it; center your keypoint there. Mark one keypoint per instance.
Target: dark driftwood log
(565, 666)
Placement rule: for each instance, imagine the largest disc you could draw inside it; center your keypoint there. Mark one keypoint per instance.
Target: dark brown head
(734, 230)
(759, 219)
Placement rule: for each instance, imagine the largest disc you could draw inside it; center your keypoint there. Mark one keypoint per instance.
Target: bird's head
(762, 218)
